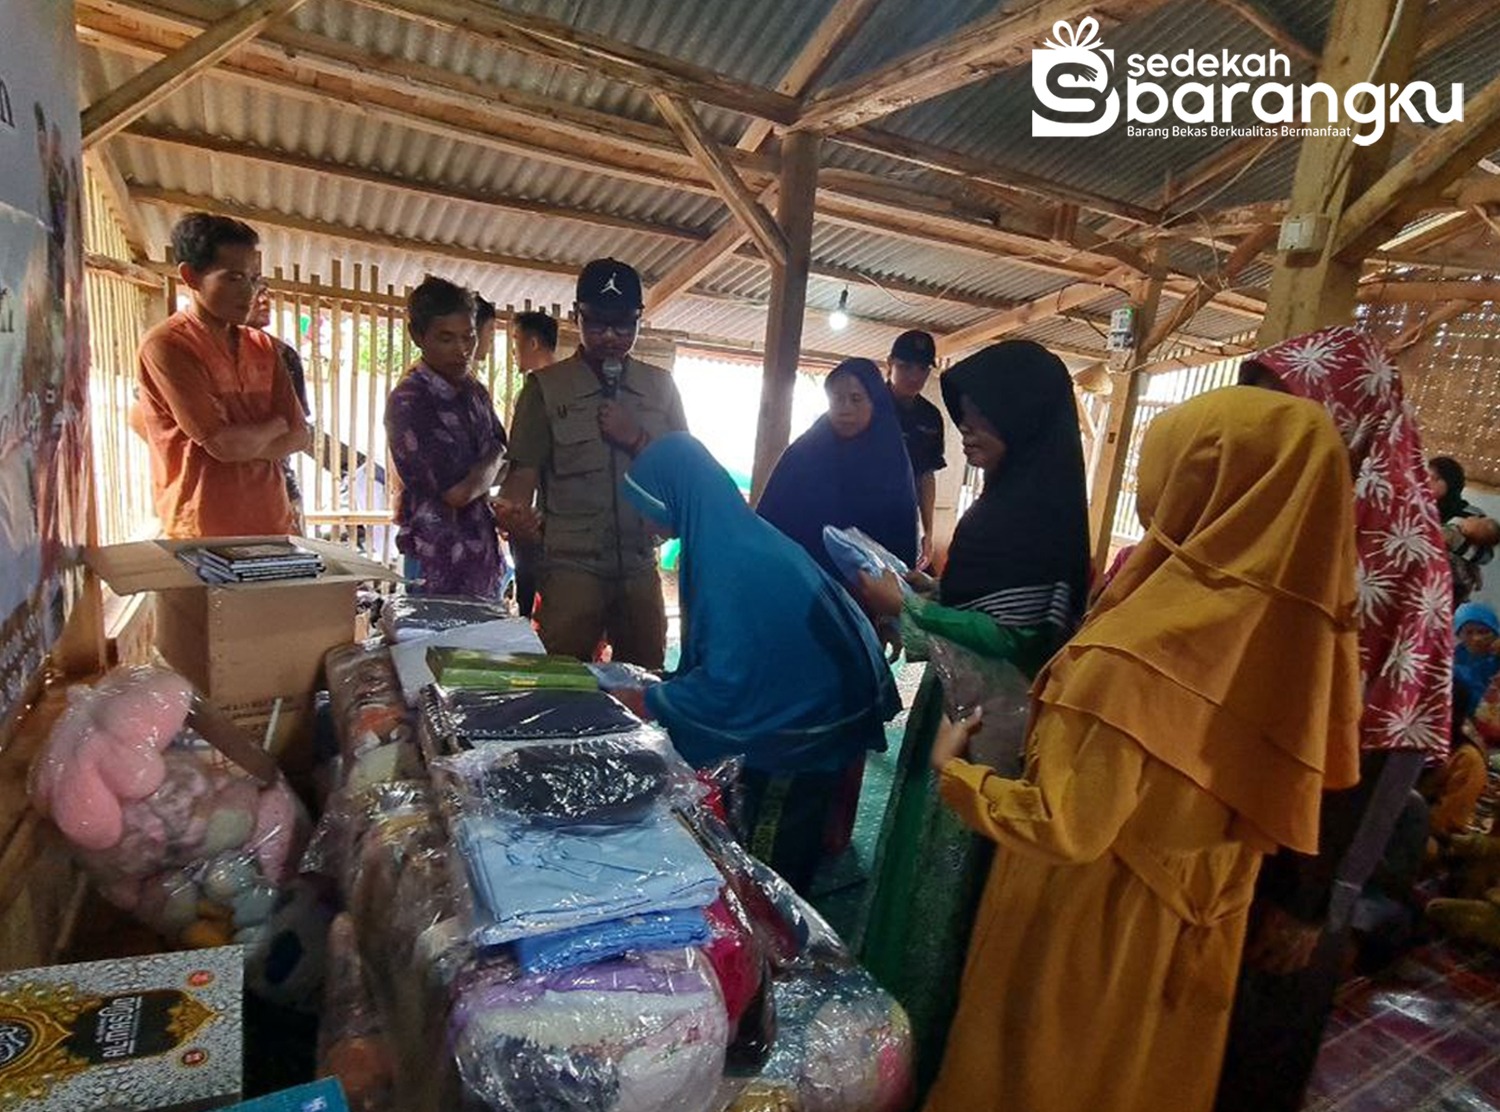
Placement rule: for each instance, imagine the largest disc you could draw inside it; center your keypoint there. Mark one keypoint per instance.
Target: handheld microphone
(612, 370)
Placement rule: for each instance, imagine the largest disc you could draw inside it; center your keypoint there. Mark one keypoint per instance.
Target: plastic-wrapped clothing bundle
(411, 928)
(376, 729)
(537, 880)
(600, 942)
(744, 972)
(453, 721)
(790, 931)
(189, 843)
(408, 617)
(608, 780)
(853, 551)
(842, 1045)
(352, 1042)
(647, 1034)
(476, 670)
(973, 682)
(509, 635)
(351, 812)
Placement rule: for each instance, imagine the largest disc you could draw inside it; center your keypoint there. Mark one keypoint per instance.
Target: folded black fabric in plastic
(459, 720)
(588, 782)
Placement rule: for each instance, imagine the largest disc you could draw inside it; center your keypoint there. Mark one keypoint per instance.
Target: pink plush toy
(187, 842)
(106, 752)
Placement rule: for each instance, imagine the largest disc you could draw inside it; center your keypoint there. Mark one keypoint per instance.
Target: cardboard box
(160, 1032)
(244, 642)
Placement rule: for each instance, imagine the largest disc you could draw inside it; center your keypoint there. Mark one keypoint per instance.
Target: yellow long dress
(1104, 957)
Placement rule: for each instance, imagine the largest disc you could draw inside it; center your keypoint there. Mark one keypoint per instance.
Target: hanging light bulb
(838, 320)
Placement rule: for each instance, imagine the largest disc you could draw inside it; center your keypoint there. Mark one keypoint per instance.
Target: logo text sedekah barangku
(1075, 82)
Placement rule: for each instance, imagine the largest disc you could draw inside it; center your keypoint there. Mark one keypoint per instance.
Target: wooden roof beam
(1245, 253)
(1032, 312)
(1448, 21)
(1272, 28)
(417, 187)
(389, 241)
(700, 262)
(974, 52)
(862, 200)
(1429, 292)
(555, 41)
(1030, 188)
(763, 229)
(1419, 178)
(820, 51)
(143, 92)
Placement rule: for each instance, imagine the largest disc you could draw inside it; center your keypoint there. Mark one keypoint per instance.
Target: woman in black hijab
(1014, 588)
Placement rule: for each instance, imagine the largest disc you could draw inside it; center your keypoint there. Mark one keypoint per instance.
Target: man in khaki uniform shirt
(577, 426)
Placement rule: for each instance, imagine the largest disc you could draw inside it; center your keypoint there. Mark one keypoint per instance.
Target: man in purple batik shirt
(447, 444)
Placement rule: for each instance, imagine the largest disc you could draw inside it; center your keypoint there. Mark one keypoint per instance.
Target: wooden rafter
(1030, 188)
(976, 51)
(101, 164)
(132, 100)
(820, 51)
(1431, 234)
(554, 41)
(699, 262)
(1272, 28)
(583, 141)
(1428, 292)
(1189, 307)
(1032, 312)
(418, 187)
(269, 218)
(1448, 21)
(1213, 170)
(1422, 175)
(732, 189)
(1417, 332)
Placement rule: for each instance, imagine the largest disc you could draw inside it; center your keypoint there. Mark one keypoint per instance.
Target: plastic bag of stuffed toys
(187, 842)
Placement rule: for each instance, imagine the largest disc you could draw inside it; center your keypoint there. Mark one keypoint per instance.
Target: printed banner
(44, 434)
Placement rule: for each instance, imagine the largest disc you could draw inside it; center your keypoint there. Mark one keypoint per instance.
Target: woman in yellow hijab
(1191, 726)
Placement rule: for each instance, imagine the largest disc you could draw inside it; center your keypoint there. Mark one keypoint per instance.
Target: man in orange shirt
(217, 409)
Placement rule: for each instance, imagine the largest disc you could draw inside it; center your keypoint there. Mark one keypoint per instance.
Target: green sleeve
(1027, 647)
(530, 430)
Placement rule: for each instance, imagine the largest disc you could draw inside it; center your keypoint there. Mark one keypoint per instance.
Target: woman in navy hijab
(779, 665)
(849, 469)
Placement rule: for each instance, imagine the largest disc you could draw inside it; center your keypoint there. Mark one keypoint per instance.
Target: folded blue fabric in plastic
(531, 880)
(635, 934)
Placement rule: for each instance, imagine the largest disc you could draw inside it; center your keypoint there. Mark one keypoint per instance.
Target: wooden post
(1317, 289)
(794, 211)
(1124, 402)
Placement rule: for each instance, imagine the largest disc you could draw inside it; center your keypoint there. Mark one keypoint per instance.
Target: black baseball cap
(915, 347)
(610, 286)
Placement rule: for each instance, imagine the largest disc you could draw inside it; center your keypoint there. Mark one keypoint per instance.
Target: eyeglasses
(618, 327)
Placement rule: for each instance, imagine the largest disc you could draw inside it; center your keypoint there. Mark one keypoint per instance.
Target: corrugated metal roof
(894, 29)
(991, 120)
(753, 41)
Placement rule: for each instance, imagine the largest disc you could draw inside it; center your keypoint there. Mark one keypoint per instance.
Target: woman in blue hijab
(1475, 662)
(850, 469)
(779, 666)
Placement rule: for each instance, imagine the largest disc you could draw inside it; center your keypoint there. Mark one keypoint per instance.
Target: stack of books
(253, 563)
